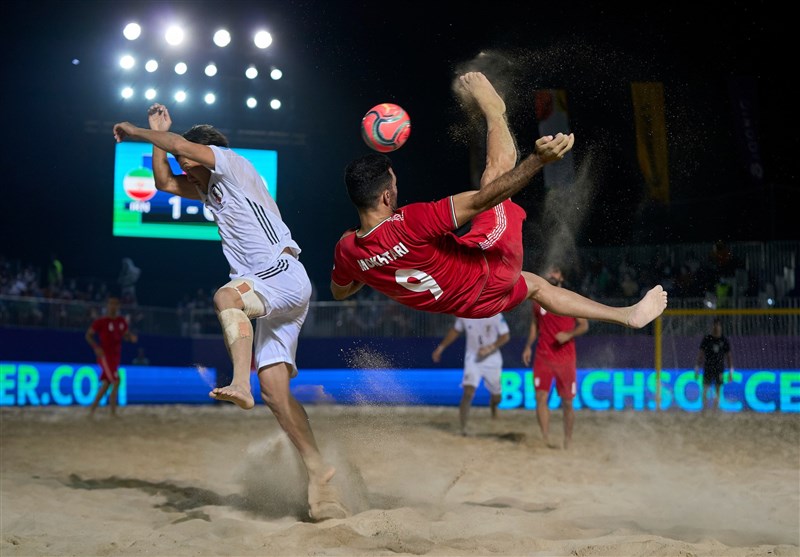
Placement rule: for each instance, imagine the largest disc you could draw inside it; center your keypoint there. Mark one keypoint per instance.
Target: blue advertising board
(48, 383)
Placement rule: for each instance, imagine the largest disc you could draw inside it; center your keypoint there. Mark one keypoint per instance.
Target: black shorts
(712, 376)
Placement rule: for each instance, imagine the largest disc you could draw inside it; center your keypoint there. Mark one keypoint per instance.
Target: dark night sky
(341, 58)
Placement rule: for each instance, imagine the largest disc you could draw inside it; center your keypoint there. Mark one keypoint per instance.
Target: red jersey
(548, 349)
(111, 331)
(414, 258)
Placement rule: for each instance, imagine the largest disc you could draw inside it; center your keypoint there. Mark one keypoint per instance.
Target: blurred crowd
(718, 276)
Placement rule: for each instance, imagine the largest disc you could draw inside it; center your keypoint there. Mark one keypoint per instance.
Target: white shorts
(285, 289)
(488, 371)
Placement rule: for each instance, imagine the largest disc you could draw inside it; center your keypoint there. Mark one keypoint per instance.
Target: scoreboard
(140, 210)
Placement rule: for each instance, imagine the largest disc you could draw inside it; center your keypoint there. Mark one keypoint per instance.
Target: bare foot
(474, 87)
(323, 498)
(240, 396)
(648, 308)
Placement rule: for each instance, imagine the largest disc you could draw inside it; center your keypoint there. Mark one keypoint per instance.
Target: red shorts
(498, 232)
(108, 369)
(564, 374)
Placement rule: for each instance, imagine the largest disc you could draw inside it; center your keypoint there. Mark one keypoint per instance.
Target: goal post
(761, 339)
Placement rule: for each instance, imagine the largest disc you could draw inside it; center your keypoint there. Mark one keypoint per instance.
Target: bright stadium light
(262, 39)
(211, 70)
(210, 98)
(180, 68)
(251, 72)
(222, 38)
(132, 31)
(127, 92)
(174, 35)
(150, 94)
(180, 96)
(151, 65)
(276, 74)
(275, 104)
(127, 62)
(252, 102)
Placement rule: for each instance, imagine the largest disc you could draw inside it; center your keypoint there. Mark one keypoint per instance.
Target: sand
(216, 480)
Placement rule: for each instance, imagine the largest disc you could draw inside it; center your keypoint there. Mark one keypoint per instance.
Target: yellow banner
(651, 137)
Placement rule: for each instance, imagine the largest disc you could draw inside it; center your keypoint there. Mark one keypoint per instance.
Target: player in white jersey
(268, 282)
(482, 359)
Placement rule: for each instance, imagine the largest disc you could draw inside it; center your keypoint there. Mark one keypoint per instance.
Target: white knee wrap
(253, 305)
(235, 325)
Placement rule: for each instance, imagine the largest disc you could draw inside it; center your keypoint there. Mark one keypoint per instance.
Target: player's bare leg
(104, 385)
(501, 150)
(543, 415)
(112, 398)
(569, 421)
(464, 407)
(494, 402)
(323, 498)
(238, 335)
(563, 301)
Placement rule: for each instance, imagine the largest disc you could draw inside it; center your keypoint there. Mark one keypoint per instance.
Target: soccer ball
(385, 127)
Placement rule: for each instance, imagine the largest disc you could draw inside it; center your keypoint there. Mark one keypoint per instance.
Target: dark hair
(205, 134)
(366, 178)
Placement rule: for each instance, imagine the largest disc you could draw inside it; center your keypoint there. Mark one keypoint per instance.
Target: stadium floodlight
(180, 68)
(275, 73)
(127, 92)
(180, 96)
(211, 70)
(132, 31)
(151, 65)
(275, 104)
(150, 94)
(262, 39)
(222, 38)
(251, 102)
(251, 72)
(210, 98)
(174, 35)
(127, 62)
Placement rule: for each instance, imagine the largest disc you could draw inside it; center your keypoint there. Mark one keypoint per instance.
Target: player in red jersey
(555, 360)
(111, 330)
(412, 255)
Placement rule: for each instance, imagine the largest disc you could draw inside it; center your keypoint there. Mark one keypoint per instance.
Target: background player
(105, 336)
(482, 359)
(715, 351)
(555, 360)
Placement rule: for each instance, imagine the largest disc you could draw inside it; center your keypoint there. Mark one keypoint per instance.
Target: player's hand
(563, 337)
(551, 148)
(133, 337)
(99, 352)
(526, 356)
(485, 351)
(437, 354)
(123, 130)
(159, 118)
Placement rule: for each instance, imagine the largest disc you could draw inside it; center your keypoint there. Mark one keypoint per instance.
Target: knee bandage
(253, 305)
(235, 325)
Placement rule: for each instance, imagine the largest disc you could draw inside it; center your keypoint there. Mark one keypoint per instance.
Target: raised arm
(548, 149)
(532, 334)
(448, 339)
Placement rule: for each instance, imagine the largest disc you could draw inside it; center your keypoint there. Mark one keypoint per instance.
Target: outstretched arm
(548, 149)
(532, 334)
(342, 292)
(448, 339)
(160, 120)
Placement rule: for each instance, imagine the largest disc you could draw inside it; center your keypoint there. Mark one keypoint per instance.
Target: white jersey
(482, 332)
(250, 225)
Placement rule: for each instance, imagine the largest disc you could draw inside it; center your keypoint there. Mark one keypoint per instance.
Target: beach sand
(216, 480)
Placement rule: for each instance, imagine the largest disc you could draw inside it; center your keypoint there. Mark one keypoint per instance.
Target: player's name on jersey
(384, 258)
